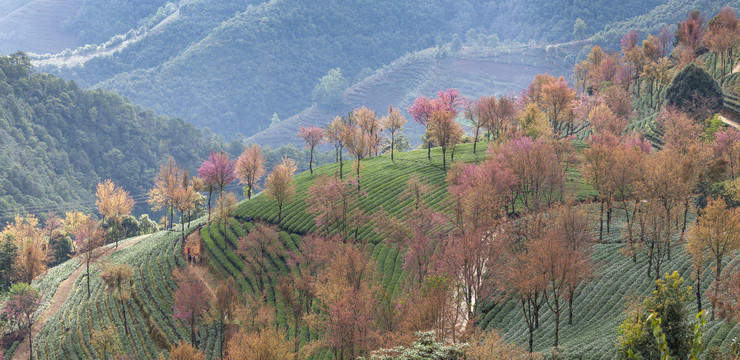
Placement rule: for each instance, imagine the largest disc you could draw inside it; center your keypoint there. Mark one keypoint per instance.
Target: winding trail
(61, 295)
(726, 116)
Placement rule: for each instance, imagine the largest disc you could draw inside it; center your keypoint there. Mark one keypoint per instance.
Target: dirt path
(192, 242)
(729, 121)
(61, 295)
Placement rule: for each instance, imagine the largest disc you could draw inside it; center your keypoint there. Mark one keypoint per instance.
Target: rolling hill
(598, 305)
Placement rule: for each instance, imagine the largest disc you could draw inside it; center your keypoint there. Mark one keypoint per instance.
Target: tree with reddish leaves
(224, 304)
(473, 116)
(572, 226)
(185, 198)
(217, 172)
(520, 278)
(250, 168)
(496, 114)
(190, 303)
(297, 292)
(450, 100)
(723, 34)
(629, 160)
(725, 295)
(22, 302)
(445, 131)
(447, 100)
(478, 195)
(88, 239)
(336, 205)
(537, 168)
(633, 53)
(421, 111)
(717, 232)
(690, 34)
(596, 169)
(313, 136)
(359, 144)
(346, 288)
(556, 101)
(602, 120)
(256, 248)
(726, 146)
(334, 135)
(554, 265)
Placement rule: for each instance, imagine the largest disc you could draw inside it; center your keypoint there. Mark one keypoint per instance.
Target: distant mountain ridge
(229, 65)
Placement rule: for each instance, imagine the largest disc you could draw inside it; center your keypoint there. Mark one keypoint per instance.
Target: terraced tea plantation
(598, 305)
(151, 326)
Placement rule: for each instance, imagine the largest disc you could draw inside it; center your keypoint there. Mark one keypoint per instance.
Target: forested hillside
(231, 67)
(57, 141)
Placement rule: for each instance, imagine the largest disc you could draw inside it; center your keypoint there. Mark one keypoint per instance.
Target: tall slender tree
(250, 168)
(88, 239)
(313, 136)
(393, 123)
(280, 185)
(165, 185)
(217, 172)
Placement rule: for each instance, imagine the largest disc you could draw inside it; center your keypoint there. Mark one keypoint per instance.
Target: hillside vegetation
(199, 46)
(58, 141)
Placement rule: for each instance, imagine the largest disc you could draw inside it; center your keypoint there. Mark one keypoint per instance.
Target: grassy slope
(151, 325)
(598, 304)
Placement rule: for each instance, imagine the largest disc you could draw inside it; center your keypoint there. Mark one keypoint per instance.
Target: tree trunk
(570, 307)
(392, 143)
(341, 164)
(698, 288)
(557, 322)
(210, 194)
(429, 150)
(716, 284)
(608, 218)
(182, 225)
(650, 260)
(601, 222)
(172, 214)
(192, 330)
(475, 141)
(358, 174)
(125, 322)
(685, 216)
(444, 162)
(88, 274)
(280, 211)
(310, 162)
